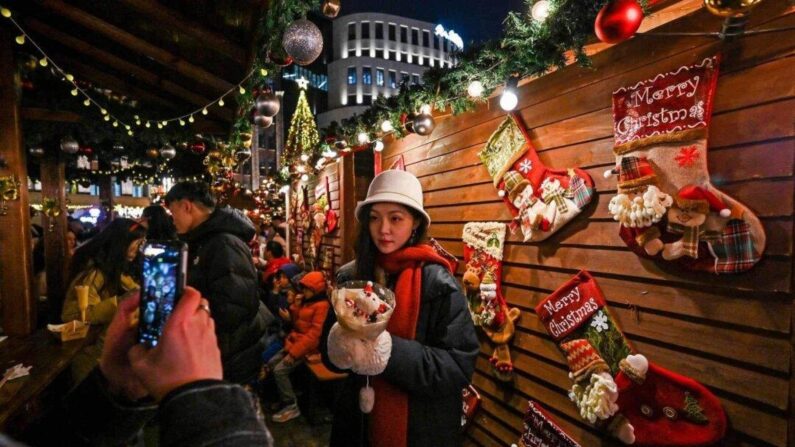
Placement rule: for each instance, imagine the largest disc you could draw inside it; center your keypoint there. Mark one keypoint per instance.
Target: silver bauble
(267, 104)
(303, 41)
(168, 152)
(69, 145)
(243, 155)
(37, 151)
(424, 124)
(263, 121)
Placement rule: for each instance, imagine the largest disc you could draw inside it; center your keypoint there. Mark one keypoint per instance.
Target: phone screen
(162, 283)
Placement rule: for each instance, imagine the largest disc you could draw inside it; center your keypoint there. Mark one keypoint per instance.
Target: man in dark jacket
(221, 268)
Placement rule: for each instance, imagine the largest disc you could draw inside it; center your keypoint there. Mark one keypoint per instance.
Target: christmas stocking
(636, 401)
(483, 245)
(541, 199)
(666, 205)
(541, 430)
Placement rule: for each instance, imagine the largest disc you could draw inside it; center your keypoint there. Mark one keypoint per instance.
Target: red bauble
(198, 148)
(618, 21)
(87, 150)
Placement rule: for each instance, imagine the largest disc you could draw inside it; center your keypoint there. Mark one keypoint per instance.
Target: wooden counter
(21, 400)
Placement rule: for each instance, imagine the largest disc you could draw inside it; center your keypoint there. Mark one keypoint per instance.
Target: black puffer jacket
(432, 369)
(221, 268)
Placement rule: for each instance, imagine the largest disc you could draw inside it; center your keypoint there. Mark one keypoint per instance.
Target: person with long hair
(433, 340)
(159, 225)
(104, 264)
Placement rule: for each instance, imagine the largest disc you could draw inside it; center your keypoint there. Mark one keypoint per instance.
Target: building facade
(374, 53)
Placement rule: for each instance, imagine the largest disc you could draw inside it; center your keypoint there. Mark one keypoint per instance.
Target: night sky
(474, 20)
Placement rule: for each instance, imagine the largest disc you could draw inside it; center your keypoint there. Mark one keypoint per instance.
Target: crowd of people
(250, 316)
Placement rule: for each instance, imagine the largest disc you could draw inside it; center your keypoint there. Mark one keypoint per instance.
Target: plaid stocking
(666, 205)
(541, 199)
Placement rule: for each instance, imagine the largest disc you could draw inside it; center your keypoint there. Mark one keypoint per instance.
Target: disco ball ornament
(267, 104)
(331, 8)
(69, 145)
(242, 155)
(168, 152)
(37, 151)
(152, 153)
(303, 41)
(263, 121)
(618, 20)
(730, 8)
(424, 124)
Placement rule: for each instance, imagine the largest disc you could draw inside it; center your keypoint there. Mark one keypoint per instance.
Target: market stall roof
(172, 57)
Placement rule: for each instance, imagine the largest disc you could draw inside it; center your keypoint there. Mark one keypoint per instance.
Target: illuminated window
(392, 79)
(415, 79)
(351, 75)
(367, 76)
(379, 77)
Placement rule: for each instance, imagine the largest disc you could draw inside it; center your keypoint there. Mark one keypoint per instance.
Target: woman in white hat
(433, 341)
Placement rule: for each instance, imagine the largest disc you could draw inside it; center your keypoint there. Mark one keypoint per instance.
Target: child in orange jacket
(308, 313)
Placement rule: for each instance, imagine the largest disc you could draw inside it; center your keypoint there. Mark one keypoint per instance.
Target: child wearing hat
(308, 312)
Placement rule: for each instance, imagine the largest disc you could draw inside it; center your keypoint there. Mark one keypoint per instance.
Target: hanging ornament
(69, 145)
(408, 122)
(152, 153)
(267, 104)
(198, 147)
(331, 8)
(262, 121)
(87, 150)
(168, 152)
(303, 41)
(280, 58)
(730, 8)
(118, 147)
(242, 155)
(245, 139)
(618, 21)
(37, 151)
(424, 124)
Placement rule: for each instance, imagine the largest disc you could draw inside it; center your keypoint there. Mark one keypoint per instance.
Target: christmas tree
(302, 137)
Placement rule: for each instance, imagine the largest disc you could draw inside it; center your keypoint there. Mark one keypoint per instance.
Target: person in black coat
(427, 369)
(221, 268)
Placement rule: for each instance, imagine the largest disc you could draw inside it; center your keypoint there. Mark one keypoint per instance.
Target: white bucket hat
(397, 187)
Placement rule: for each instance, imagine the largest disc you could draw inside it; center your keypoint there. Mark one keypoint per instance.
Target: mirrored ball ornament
(37, 151)
(303, 41)
(69, 145)
(263, 121)
(168, 152)
(267, 104)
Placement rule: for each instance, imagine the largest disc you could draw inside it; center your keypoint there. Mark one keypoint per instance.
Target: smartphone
(164, 271)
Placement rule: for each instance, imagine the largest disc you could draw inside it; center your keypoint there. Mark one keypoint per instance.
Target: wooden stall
(732, 333)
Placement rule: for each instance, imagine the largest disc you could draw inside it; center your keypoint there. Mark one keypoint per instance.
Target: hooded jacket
(308, 318)
(220, 267)
(432, 369)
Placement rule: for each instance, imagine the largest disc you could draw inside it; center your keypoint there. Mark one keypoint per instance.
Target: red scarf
(389, 420)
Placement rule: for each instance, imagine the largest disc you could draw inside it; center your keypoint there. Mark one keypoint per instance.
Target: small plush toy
(358, 340)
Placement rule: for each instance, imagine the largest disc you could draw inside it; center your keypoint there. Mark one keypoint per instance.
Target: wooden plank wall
(333, 239)
(731, 333)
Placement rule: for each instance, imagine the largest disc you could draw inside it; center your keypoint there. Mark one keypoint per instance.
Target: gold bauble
(730, 8)
(331, 8)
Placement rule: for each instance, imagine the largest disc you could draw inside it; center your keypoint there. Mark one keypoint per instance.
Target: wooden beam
(16, 256)
(136, 44)
(174, 20)
(347, 179)
(40, 114)
(53, 185)
(122, 65)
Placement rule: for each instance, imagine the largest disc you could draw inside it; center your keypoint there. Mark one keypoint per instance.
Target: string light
(540, 10)
(509, 100)
(379, 146)
(20, 39)
(190, 120)
(475, 89)
(204, 111)
(363, 138)
(107, 118)
(87, 102)
(242, 90)
(147, 124)
(304, 177)
(103, 111)
(181, 122)
(69, 77)
(74, 92)
(43, 62)
(5, 12)
(386, 126)
(221, 102)
(115, 124)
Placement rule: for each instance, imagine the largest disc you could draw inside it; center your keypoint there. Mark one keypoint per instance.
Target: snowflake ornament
(525, 166)
(599, 322)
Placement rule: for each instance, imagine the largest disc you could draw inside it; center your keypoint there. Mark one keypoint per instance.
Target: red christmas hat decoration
(668, 409)
(701, 199)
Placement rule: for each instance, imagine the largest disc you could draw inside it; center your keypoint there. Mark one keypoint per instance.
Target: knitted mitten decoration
(617, 389)
(541, 199)
(660, 128)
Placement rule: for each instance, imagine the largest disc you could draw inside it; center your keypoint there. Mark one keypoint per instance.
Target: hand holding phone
(164, 272)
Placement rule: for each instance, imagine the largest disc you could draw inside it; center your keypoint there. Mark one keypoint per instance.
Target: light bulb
(304, 157)
(509, 100)
(137, 122)
(304, 177)
(425, 109)
(127, 126)
(129, 132)
(181, 122)
(190, 120)
(69, 77)
(204, 111)
(74, 92)
(5, 12)
(107, 118)
(115, 124)
(363, 138)
(159, 126)
(20, 39)
(147, 124)
(87, 103)
(540, 10)
(165, 123)
(263, 72)
(475, 89)
(43, 62)
(386, 126)
(301, 169)
(221, 102)
(379, 146)
(242, 90)
(103, 111)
